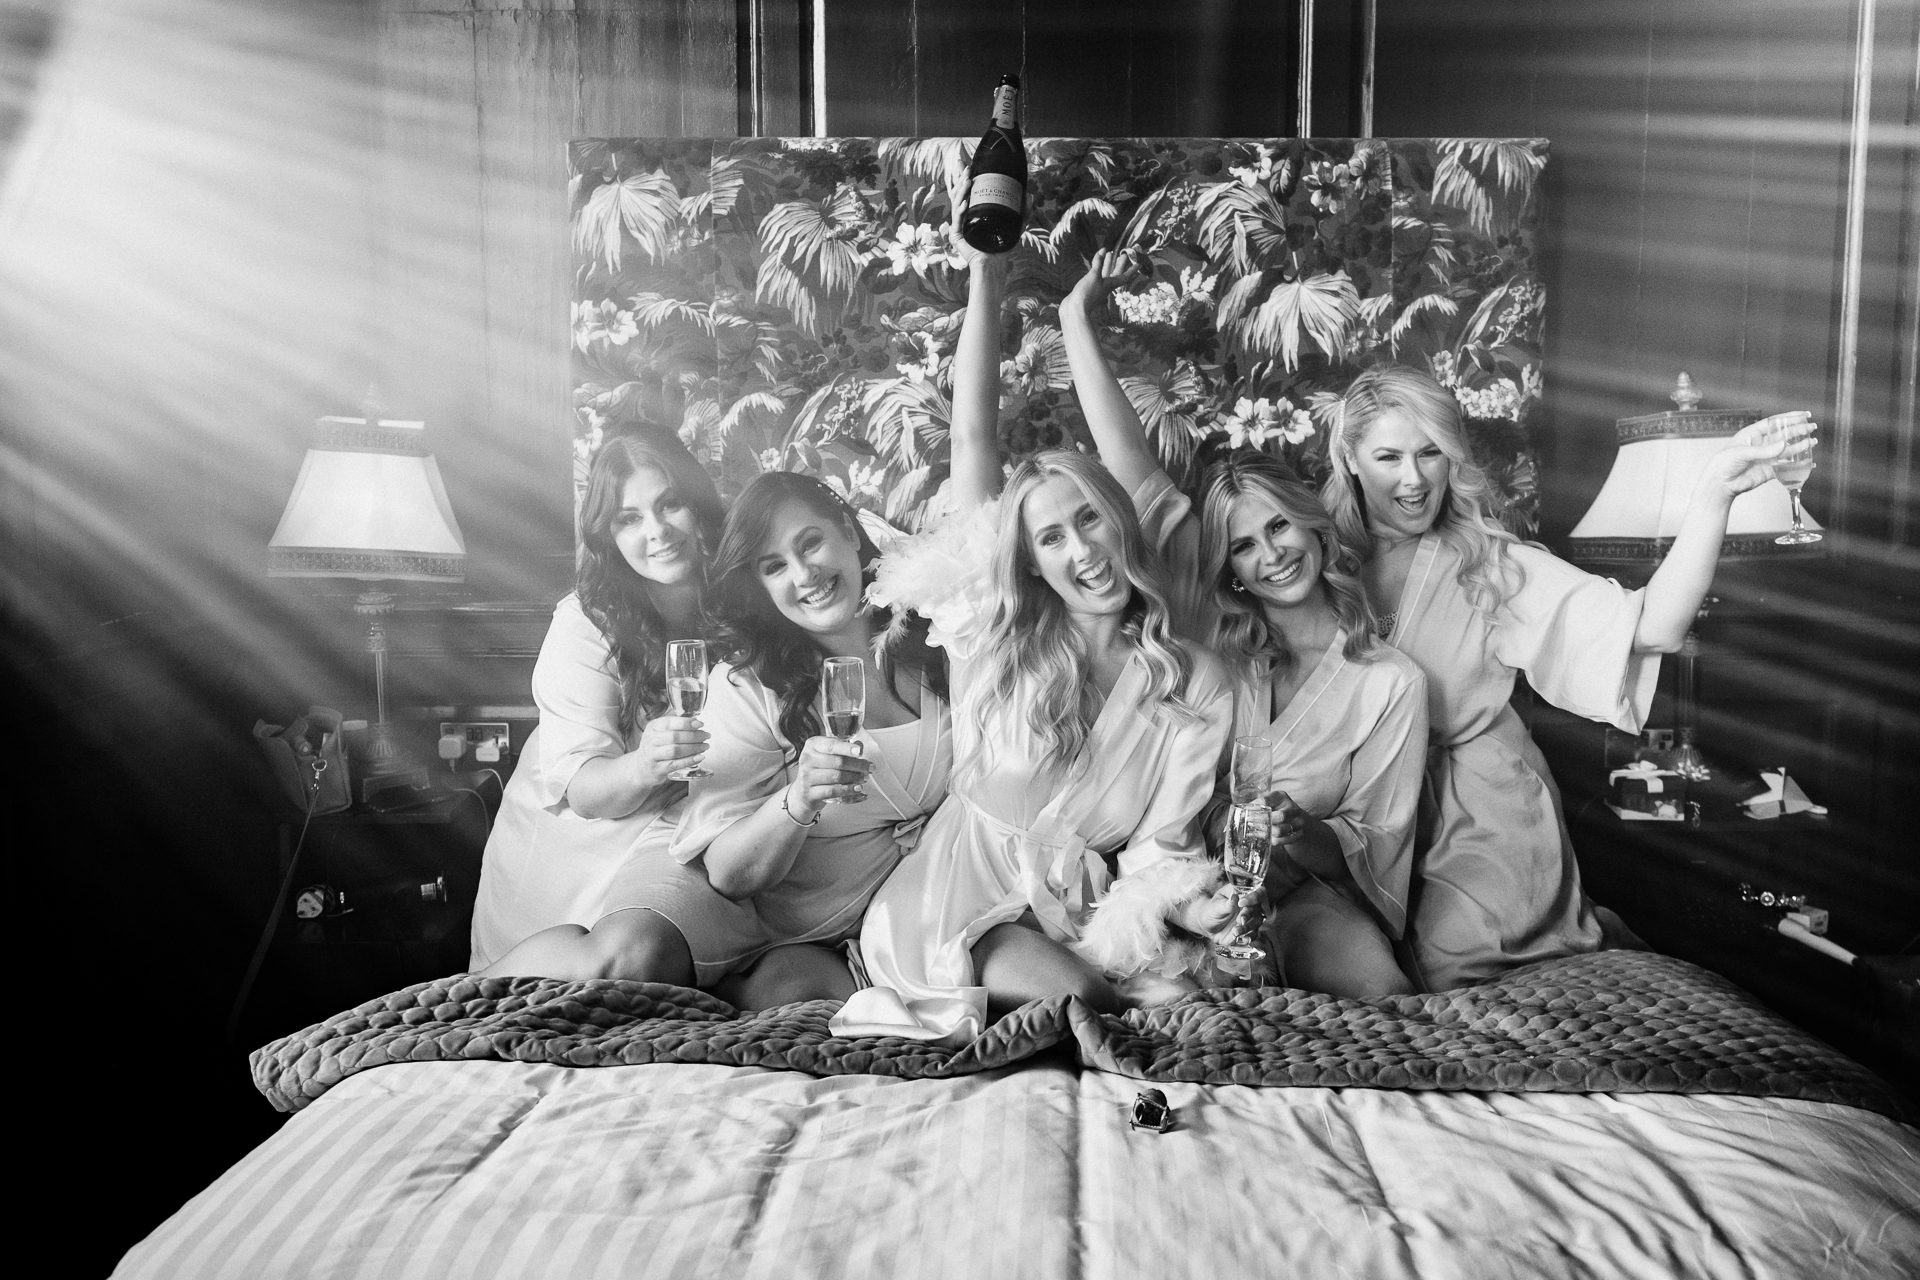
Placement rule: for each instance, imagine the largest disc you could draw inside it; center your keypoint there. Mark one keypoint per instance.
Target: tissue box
(1644, 791)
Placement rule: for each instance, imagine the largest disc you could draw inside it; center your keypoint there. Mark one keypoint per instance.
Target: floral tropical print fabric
(793, 303)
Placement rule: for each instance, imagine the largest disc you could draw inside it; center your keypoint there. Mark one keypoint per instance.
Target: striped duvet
(498, 1169)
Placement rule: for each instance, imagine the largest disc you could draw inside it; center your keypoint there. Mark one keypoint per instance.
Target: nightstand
(392, 935)
(1679, 887)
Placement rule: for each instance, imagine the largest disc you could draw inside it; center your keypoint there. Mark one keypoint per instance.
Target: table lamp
(1633, 522)
(369, 504)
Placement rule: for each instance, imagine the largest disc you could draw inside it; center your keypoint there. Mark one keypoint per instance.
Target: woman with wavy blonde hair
(1266, 580)
(1085, 732)
(1474, 607)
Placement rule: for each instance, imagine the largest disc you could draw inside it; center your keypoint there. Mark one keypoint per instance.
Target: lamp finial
(371, 406)
(1684, 393)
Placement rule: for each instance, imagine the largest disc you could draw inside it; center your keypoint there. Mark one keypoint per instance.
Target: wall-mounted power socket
(1657, 739)
(482, 741)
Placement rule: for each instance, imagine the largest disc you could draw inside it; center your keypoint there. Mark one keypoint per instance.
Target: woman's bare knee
(1017, 965)
(1327, 943)
(639, 945)
(787, 975)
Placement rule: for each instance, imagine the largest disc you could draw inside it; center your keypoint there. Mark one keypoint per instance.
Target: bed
(529, 1128)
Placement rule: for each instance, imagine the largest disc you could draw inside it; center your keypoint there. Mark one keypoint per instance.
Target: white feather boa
(1132, 932)
(944, 574)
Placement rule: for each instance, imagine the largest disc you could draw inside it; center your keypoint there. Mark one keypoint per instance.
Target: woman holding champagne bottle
(1261, 577)
(576, 881)
(1088, 732)
(1474, 607)
(827, 755)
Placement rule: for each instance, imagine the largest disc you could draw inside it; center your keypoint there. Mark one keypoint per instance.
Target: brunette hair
(1465, 520)
(1242, 636)
(756, 636)
(612, 595)
(1032, 653)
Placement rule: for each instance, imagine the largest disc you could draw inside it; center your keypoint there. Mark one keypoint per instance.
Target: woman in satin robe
(804, 826)
(1496, 882)
(1086, 736)
(576, 881)
(1262, 577)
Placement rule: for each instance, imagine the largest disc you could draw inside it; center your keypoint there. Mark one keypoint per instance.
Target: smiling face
(1276, 560)
(810, 567)
(1075, 549)
(655, 529)
(1403, 474)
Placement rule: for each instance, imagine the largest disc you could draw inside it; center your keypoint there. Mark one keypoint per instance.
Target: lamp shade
(368, 503)
(1638, 511)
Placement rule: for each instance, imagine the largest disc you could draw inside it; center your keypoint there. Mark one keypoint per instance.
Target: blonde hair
(1465, 520)
(1031, 652)
(1242, 635)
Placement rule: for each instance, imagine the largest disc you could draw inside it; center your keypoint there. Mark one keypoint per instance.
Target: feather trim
(1131, 929)
(944, 574)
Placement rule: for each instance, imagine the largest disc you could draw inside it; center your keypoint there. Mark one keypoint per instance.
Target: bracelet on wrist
(795, 821)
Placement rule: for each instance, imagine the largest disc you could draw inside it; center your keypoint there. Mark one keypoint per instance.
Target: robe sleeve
(1375, 820)
(745, 754)
(1171, 824)
(1170, 527)
(577, 689)
(1572, 632)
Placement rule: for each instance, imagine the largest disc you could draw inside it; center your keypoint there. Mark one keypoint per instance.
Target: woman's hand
(828, 769)
(1749, 460)
(978, 260)
(669, 743)
(1109, 271)
(1209, 915)
(1288, 823)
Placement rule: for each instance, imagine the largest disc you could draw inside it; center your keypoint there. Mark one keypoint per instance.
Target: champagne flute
(687, 691)
(1249, 841)
(1792, 470)
(843, 684)
(1252, 770)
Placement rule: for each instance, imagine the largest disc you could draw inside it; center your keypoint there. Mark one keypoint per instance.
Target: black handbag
(309, 760)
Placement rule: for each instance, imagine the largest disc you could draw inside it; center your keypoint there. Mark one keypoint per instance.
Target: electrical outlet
(487, 740)
(1658, 739)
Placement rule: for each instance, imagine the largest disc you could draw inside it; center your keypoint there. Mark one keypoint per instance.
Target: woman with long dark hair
(576, 881)
(1087, 734)
(1264, 580)
(1475, 606)
(801, 825)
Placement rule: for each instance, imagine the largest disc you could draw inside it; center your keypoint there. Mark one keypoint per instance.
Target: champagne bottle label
(997, 188)
(1005, 106)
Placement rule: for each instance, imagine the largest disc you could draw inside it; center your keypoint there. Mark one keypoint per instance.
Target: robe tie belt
(906, 835)
(1057, 871)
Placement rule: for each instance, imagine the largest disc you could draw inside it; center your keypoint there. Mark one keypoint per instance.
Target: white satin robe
(854, 847)
(1349, 748)
(1498, 886)
(1026, 833)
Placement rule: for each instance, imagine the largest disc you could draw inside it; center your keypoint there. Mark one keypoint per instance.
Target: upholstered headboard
(794, 302)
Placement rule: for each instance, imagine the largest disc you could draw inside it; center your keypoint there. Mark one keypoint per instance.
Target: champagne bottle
(997, 183)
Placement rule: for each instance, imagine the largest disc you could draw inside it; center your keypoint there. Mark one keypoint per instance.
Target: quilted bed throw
(794, 303)
(1618, 1021)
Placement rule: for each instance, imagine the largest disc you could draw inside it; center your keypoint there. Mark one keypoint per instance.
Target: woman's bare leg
(786, 975)
(1017, 964)
(636, 944)
(1326, 943)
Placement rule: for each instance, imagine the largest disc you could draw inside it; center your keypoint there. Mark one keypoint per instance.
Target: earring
(1238, 587)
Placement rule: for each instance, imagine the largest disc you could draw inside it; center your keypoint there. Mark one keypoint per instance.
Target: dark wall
(1696, 200)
